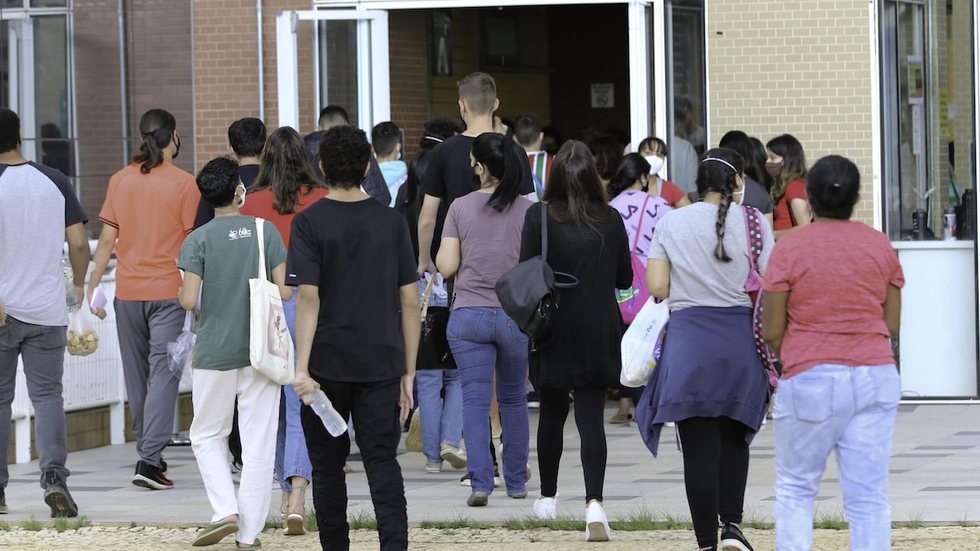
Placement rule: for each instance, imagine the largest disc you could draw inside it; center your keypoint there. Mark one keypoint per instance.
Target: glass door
(351, 50)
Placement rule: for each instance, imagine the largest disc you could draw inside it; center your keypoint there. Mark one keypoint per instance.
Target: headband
(433, 138)
(723, 161)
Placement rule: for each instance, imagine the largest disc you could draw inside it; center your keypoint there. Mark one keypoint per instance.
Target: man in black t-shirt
(357, 335)
(450, 175)
(246, 138)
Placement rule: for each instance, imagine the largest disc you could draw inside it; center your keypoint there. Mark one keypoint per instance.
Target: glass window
(686, 90)
(12, 3)
(51, 94)
(49, 3)
(338, 65)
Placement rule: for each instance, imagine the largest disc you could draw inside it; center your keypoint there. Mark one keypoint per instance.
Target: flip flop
(295, 525)
(216, 532)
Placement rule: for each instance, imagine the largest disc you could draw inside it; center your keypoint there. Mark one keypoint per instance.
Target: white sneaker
(546, 508)
(596, 524)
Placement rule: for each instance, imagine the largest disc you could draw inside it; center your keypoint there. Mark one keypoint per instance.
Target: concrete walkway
(935, 477)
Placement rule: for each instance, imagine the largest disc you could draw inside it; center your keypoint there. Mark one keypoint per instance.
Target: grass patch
(32, 524)
(831, 521)
(79, 523)
(60, 524)
(458, 523)
(361, 520)
(915, 521)
(4, 527)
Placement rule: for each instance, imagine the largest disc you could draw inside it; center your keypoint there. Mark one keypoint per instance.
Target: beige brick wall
(805, 71)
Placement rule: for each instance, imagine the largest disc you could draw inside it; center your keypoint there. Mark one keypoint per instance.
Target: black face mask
(176, 143)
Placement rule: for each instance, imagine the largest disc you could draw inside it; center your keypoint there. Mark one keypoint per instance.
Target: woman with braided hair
(709, 379)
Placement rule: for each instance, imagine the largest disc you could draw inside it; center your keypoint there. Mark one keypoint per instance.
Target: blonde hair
(479, 92)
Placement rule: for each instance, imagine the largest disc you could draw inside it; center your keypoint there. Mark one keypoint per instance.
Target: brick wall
(408, 41)
(304, 46)
(807, 72)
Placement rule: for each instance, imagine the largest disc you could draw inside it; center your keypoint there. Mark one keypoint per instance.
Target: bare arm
(658, 278)
(768, 217)
(307, 312)
(411, 332)
(189, 291)
(449, 257)
(279, 278)
(78, 256)
(107, 242)
(801, 216)
(774, 319)
(893, 309)
(683, 202)
(427, 228)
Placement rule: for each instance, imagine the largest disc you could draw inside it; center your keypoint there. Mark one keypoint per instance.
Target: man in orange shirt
(149, 209)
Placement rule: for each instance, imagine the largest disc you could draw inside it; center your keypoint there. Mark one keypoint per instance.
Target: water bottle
(334, 423)
(949, 223)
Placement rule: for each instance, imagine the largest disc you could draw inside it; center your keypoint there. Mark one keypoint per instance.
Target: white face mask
(242, 198)
(656, 163)
(739, 195)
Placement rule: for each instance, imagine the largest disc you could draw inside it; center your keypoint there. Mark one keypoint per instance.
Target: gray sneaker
(478, 499)
(57, 496)
(3, 502)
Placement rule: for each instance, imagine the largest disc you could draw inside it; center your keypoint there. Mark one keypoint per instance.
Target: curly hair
(344, 153)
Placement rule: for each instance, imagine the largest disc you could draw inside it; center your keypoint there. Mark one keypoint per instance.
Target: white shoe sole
(143, 482)
(596, 531)
(454, 458)
(732, 545)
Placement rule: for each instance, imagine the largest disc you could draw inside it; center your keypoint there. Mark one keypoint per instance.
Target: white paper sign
(917, 129)
(603, 96)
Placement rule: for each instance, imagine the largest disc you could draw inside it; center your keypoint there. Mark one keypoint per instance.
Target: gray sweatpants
(145, 329)
(43, 350)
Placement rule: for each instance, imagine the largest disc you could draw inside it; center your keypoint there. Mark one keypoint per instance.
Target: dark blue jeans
(486, 345)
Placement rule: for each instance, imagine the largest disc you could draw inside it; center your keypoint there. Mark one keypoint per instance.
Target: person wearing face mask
(285, 186)
(786, 164)
(709, 380)
(148, 211)
(654, 150)
(480, 242)
(641, 208)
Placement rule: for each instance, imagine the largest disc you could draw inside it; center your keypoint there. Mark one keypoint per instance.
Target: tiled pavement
(935, 477)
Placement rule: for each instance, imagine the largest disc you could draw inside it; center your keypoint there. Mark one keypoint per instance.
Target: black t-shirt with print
(359, 255)
(450, 177)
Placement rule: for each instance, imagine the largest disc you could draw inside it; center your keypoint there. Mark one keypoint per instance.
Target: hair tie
(723, 161)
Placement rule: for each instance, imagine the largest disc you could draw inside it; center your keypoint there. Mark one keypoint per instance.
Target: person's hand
(406, 402)
(97, 312)
(3, 314)
(305, 386)
(427, 267)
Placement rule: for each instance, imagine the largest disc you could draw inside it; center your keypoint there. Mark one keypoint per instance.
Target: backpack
(632, 300)
(753, 287)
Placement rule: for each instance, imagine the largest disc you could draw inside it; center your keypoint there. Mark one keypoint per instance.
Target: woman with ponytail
(709, 379)
(480, 241)
(149, 209)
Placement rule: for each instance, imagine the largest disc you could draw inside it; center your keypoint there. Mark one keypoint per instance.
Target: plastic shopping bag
(640, 342)
(179, 351)
(82, 338)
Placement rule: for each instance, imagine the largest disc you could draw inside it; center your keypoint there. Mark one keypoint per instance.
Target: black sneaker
(3, 502)
(57, 496)
(149, 476)
(533, 400)
(163, 466)
(732, 539)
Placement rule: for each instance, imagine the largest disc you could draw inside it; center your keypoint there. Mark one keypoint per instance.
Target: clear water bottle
(334, 423)
(71, 300)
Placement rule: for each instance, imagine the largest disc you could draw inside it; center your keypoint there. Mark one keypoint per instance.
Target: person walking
(832, 300)
(710, 379)
(786, 165)
(39, 212)
(586, 239)
(481, 241)
(149, 209)
(284, 187)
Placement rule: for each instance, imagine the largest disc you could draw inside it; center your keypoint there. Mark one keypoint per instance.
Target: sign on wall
(442, 44)
(603, 95)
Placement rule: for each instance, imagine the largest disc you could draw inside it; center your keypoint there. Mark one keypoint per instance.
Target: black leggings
(589, 404)
(716, 465)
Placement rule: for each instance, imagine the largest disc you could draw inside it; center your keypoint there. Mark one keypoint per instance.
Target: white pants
(258, 420)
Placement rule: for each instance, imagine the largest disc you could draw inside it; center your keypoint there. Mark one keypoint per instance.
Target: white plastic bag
(179, 351)
(82, 338)
(640, 342)
(270, 345)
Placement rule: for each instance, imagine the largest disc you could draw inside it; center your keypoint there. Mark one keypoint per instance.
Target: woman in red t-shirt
(654, 150)
(832, 300)
(787, 165)
(284, 187)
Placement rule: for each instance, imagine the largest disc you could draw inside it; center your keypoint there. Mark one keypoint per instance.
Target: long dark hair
(742, 144)
(285, 169)
(574, 189)
(631, 169)
(411, 201)
(157, 130)
(717, 171)
(794, 163)
(505, 163)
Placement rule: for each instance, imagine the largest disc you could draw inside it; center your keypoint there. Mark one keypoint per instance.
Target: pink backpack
(632, 300)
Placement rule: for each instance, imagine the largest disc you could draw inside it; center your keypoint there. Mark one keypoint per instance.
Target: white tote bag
(270, 346)
(639, 343)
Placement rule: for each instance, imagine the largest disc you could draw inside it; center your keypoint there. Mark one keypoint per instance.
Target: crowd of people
(751, 262)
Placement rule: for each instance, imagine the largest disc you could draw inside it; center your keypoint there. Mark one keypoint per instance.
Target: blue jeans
(292, 457)
(849, 411)
(485, 342)
(442, 418)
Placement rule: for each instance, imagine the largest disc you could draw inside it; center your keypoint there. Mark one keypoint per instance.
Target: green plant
(60, 524)
(4, 527)
(915, 520)
(458, 523)
(80, 522)
(831, 521)
(32, 524)
(310, 519)
(362, 520)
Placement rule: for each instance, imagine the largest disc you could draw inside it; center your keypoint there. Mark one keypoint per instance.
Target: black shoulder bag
(529, 292)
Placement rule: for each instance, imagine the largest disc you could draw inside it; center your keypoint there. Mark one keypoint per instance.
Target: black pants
(716, 465)
(374, 409)
(589, 404)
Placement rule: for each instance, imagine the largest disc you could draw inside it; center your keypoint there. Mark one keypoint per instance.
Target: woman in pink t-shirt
(832, 303)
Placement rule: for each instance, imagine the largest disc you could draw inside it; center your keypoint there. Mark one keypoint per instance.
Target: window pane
(12, 3)
(49, 3)
(338, 65)
(51, 98)
(687, 91)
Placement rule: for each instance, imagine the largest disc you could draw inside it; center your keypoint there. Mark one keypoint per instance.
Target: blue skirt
(708, 368)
